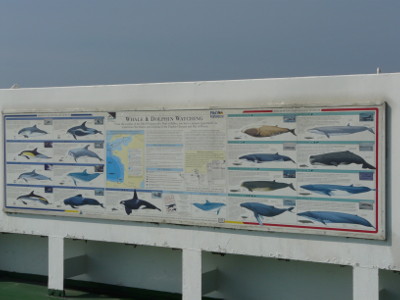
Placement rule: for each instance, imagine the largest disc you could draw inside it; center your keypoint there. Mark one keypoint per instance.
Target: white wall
(359, 89)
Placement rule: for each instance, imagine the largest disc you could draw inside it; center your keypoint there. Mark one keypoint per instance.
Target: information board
(301, 170)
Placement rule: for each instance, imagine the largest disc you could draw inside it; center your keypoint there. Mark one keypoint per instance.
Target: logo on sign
(216, 114)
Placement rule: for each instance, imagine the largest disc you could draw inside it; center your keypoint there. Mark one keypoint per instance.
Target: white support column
(191, 274)
(365, 283)
(56, 265)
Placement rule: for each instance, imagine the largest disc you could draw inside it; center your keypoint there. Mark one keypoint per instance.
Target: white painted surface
(191, 274)
(365, 284)
(358, 89)
(56, 263)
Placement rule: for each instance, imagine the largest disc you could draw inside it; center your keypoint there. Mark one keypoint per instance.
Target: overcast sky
(89, 42)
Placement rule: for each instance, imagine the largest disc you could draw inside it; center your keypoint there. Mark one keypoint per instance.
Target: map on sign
(125, 159)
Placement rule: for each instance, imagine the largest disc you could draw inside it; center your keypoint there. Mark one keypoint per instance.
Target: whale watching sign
(317, 170)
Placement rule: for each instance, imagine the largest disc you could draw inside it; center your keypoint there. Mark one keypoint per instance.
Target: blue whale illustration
(329, 131)
(79, 200)
(263, 210)
(31, 131)
(335, 217)
(83, 152)
(136, 203)
(29, 176)
(208, 206)
(265, 157)
(334, 189)
(83, 176)
(82, 130)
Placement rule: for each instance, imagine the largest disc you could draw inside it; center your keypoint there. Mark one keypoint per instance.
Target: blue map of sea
(115, 167)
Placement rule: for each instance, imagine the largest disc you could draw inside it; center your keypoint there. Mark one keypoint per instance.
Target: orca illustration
(135, 203)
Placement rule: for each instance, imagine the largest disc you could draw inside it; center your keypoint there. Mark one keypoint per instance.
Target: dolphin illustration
(33, 197)
(335, 217)
(339, 158)
(33, 154)
(79, 200)
(82, 130)
(31, 131)
(28, 176)
(333, 189)
(83, 176)
(329, 131)
(82, 152)
(208, 206)
(266, 157)
(263, 210)
(136, 203)
(266, 186)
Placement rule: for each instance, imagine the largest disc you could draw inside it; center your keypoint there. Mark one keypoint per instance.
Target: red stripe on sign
(257, 111)
(311, 227)
(347, 109)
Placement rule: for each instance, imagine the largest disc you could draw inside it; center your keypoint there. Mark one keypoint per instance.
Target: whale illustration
(82, 152)
(339, 158)
(266, 157)
(265, 186)
(33, 154)
(82, 130)
(31, 131)
(208, 206)
(263, 210)
(329, 131)
(136, 203)
(33, 197)
(326, 217)
(79, 200)
(83, 176)
(336, 190)
(29, 176)
(267, 131)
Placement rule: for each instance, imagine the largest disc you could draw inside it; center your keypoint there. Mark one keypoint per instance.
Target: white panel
(338, 90)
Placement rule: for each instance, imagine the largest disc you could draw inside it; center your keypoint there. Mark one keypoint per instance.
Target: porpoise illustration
(266, 186)
(326, 217)
(82, 130)
(29, 176)
(329, 131)
(33, 197)
(82, 152)
(33, 154)
(79, 200)
(339, 158)
(31, 131)
(265, 157)
(209, 206)
(263, 210)
(336, 190)
(136, 203)
(267, 131)
(83, 176)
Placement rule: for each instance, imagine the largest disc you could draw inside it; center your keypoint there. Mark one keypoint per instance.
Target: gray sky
(88, 42)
